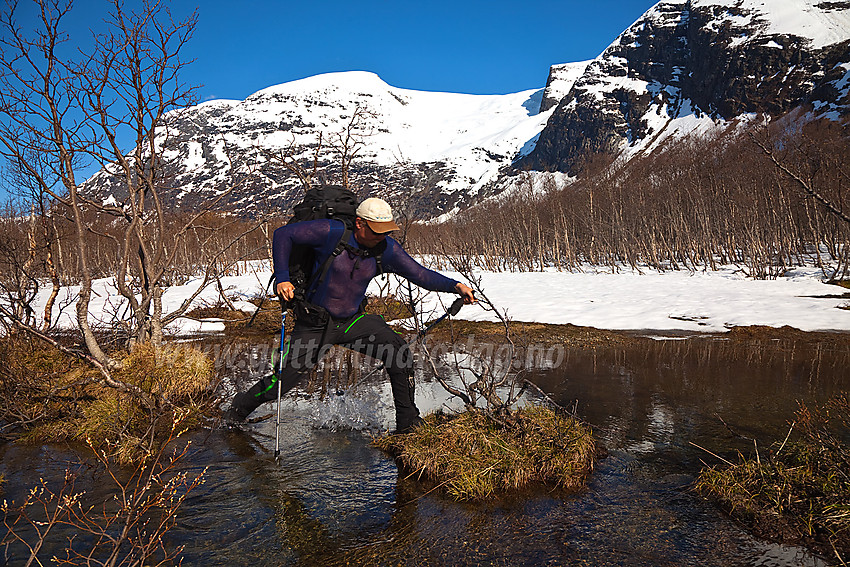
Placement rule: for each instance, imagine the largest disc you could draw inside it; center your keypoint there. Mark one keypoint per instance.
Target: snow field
(652, 301)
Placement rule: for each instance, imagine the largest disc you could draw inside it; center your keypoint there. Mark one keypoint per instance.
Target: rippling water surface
(335, 500)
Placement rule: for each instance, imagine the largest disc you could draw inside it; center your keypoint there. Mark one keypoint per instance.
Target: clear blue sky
(482, 47)
(478, 47)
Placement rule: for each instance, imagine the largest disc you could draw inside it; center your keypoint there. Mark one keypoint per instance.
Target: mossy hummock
(475, 456)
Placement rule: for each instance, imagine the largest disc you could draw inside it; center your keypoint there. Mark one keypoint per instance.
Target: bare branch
(801, 182)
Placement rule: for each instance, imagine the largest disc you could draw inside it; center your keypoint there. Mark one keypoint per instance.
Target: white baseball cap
(377, 214)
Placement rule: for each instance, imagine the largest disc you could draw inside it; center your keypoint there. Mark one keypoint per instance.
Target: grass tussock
(53, 399)
(800, 489)
(172, 373)
(472, 456)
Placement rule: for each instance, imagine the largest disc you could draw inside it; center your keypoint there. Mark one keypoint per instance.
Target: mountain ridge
(469, 137)
(683, 67)
(712, 60)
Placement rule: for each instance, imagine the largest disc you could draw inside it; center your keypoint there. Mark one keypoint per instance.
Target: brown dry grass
(472, 456)
(170, 372)
(53, 398)
(796, 491)
(532, 333)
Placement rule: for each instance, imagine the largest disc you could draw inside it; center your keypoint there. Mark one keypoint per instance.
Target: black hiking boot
(240, 408)
(409, 426)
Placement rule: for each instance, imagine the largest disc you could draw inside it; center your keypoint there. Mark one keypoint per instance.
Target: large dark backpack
(326, 202)
(320, 202)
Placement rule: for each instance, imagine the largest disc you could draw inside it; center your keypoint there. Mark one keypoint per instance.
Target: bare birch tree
(65, 111)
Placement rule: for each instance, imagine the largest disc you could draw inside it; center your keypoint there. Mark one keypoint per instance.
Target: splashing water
(366, 409)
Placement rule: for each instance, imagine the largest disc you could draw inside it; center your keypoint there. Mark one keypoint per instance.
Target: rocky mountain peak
(685, 64)
(561, 79)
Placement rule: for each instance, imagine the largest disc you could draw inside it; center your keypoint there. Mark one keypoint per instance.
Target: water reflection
(335, 500)
(712, 392)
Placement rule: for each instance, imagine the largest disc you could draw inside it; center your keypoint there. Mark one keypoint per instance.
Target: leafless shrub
(127, 529)
(64, 110)
(694, 204)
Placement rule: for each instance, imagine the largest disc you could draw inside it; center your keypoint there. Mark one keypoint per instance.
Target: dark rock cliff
(689, 57)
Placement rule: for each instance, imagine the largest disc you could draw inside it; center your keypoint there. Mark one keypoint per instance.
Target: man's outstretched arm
(398, 261)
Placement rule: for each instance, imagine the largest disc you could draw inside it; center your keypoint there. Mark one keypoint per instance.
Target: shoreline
(268, 322)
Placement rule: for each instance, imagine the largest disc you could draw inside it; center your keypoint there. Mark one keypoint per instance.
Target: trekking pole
(283, 306)
(453, 310)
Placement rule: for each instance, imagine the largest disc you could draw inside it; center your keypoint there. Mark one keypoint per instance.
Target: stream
(333, 499)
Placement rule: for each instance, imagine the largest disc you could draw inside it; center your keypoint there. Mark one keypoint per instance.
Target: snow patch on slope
(823, 23)
(473, 135)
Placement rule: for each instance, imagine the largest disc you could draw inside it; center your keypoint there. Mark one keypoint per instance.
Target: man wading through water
(332, 311)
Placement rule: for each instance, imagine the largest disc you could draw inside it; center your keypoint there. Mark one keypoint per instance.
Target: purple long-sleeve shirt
(342, 290)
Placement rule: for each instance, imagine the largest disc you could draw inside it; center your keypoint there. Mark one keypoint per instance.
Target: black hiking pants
(314, 333)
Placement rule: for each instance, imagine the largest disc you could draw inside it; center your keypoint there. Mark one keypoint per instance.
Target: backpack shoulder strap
(379, 256)
(377, 253)
(320, 274)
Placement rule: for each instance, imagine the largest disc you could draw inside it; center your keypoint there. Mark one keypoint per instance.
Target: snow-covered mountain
(692, 65)
(445, 147)
(684, 66)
